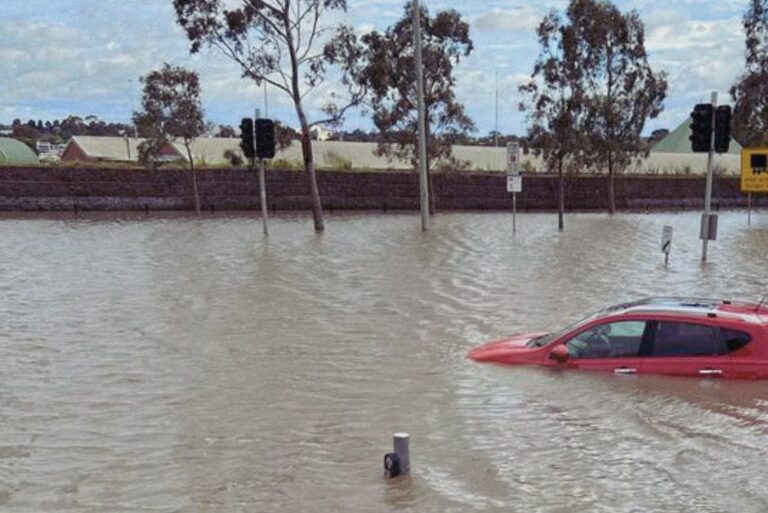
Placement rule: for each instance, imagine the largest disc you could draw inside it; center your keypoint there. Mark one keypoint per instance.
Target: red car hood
(498, 350)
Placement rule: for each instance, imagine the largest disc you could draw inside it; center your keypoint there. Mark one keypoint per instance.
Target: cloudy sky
(84, 57)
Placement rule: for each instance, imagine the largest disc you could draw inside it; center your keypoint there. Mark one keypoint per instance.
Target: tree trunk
(194, 178)
(309, 167)
(560, 195)
(306, 138)
(611, 187)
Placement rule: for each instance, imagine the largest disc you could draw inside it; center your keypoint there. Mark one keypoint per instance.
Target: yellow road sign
(754, 170)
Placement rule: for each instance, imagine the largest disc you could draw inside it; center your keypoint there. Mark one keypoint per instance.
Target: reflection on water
(183, 365)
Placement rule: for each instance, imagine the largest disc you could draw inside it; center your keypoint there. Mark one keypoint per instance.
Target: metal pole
(496, 129)
(266, 100)
(263, 191)
(749, 209)
(262, 177)
(423, 181)
(514, 212)
(708, 194)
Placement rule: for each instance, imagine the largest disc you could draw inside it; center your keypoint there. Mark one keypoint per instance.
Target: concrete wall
(30, 189)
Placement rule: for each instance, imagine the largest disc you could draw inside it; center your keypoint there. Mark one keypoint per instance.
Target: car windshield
(545, 339)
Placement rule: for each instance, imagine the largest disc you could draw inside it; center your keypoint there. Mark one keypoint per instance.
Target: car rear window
(687, 339)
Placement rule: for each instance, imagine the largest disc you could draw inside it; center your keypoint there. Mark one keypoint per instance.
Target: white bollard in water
(400, 442)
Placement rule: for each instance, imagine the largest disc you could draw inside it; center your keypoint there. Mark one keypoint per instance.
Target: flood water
(191, 365)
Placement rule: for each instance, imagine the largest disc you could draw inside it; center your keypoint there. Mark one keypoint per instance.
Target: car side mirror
(560, 354)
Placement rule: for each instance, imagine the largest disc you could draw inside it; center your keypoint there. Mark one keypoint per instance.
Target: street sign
(754, 170)
(514, 183)
(514, 180)
(513, 158)
(666, 240)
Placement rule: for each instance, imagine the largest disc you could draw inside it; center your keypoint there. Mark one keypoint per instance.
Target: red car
(672, 336)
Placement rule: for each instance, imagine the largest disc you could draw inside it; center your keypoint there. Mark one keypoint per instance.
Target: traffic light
(265, 138)
(701, 127)
(246, 138)
(722, 128)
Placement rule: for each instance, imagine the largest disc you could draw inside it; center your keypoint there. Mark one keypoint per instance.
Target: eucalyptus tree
(620, 90)
(553, 101)
(750, 92)
(280, 42)
(171, 111)
(382, 65)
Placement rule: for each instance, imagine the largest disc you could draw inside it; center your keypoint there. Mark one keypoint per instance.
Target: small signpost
(666, 243)
(514, 180)
(754, 174)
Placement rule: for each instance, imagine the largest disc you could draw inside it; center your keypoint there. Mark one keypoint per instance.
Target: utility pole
(423, 181)
(496, 126)
(266, 101)
(708, 194)
(262, 183)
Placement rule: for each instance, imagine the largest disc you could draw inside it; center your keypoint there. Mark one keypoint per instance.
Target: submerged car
(672, 336)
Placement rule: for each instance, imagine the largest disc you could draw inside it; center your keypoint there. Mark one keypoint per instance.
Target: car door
(687, 349)
(748, 358)
(609, 347)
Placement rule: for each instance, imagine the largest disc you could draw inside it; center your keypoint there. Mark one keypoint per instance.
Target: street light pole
(423, 181)
(710, 179)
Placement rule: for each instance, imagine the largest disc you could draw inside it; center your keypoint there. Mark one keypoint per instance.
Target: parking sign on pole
(514, 180)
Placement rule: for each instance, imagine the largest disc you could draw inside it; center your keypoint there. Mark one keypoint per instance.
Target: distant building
(16, 153)
(88, 148)
(209, 151)
(678, 141)
(320, 133)
(673, 155)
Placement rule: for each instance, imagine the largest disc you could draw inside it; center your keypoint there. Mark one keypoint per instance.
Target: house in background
(211, 151)
(320, 133)
(88, 148)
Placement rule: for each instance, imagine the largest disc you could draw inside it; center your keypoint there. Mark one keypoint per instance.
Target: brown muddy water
(177, 365)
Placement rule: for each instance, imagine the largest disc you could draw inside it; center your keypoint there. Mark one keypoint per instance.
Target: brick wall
(91, 188)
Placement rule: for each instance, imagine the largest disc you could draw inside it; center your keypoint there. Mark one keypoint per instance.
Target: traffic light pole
(263, 191)
(704, 229)
(262, 181)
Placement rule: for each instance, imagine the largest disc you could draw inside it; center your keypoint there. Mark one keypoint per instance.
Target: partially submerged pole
(423, 181)
(263, 192)
(705, 222)
(398, 462)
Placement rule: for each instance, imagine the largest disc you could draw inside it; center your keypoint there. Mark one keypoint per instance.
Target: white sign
(513, 158)
(666, 239)
(514, 183)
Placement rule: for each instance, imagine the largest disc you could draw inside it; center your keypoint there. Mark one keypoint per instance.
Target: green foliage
(286, 164)
(592, 89)
(619, 90)
(750, 92)
(234, 158)
(526, 166)
(272, 41)
(171, 110)
(387, 73)
(336, 162)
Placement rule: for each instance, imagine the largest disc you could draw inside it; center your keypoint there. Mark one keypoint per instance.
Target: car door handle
(710, 372)
(625, 370)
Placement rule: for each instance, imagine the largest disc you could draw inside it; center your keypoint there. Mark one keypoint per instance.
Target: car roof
(694, 307)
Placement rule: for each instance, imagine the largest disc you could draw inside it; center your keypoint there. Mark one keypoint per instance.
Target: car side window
(734, 339)
(610, 340)
(687, 339)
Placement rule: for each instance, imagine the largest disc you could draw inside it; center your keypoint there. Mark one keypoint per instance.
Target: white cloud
(524, 19)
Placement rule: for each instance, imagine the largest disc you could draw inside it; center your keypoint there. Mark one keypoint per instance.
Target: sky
(85, 57)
